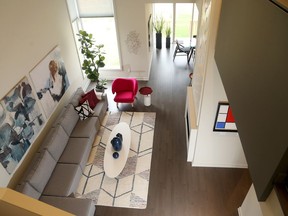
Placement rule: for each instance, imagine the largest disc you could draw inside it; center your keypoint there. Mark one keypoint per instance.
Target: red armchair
(125, 89)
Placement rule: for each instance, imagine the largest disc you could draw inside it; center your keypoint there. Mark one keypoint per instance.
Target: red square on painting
(230, 117)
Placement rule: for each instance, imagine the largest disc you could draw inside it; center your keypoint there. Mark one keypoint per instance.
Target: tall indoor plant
(168, 36)
(158, 26)
(93, 56)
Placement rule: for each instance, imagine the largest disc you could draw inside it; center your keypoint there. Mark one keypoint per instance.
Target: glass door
(186, 22)
(182, 17)
(183, 21)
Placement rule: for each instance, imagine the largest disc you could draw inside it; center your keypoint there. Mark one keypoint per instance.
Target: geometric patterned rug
(130, 188)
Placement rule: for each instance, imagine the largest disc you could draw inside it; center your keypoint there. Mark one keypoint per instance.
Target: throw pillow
(91, 98)
(84, 110)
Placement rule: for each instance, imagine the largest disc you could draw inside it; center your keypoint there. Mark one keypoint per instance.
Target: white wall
(252, 207)
(131, 16)
(214, 149)
(29, 31)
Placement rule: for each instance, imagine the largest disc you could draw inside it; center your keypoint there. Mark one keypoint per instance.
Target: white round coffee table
(113, 167)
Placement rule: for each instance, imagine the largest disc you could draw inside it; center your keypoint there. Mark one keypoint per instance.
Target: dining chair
(180, 50)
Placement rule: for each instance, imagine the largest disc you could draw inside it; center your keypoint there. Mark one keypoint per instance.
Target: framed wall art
(50, 80)
(20, 122)
(224, 120)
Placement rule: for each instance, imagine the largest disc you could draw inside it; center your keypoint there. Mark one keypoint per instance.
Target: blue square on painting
(220, 125)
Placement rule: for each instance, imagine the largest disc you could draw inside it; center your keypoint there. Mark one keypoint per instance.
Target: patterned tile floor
(130, 188)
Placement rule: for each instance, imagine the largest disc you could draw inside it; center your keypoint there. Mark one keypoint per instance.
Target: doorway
(181, 17)
(186, 21)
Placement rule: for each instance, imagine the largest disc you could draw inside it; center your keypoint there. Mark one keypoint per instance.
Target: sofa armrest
(77, 206)
(76, 97)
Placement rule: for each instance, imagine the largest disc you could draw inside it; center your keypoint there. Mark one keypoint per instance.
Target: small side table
(146, 92)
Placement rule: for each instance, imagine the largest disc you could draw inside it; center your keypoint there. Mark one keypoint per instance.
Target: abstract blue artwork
(20, 122)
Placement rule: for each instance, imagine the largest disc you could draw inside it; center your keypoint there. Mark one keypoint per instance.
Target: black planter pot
(168, 41)
(159, 40)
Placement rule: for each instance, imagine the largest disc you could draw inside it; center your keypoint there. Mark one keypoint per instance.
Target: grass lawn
(182, 21)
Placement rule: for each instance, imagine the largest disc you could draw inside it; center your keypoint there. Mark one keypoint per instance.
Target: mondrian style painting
(224, 120)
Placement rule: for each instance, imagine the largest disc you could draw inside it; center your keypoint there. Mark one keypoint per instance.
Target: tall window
(104, 32)
(183, 21)
(97, 17)
(76, 25)
(183, 18)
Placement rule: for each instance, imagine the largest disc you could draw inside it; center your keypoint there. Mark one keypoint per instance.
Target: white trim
(117, 35)
(228, 165)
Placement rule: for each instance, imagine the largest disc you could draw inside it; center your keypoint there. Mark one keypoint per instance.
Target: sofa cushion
(55, 141)
(86, 128)
(76, 152)
(41, 171)
(76, 206)
(124, 97)
(64, 180)
(68, 119)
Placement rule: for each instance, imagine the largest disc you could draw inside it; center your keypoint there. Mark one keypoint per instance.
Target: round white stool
(147, 100)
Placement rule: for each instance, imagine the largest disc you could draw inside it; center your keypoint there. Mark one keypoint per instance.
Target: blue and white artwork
(50, 80)
(20, 122)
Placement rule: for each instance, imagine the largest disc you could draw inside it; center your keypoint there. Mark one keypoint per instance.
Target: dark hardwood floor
(177, 188)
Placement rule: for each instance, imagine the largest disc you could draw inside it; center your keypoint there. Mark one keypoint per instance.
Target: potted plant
(158, 26)
(93, 56)
(168, 36)
(100, 86)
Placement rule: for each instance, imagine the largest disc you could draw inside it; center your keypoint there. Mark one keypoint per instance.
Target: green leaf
(91, 52)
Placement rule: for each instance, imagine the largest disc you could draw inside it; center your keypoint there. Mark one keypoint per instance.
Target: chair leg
(193, 54)
(189, 55)
(174, 54)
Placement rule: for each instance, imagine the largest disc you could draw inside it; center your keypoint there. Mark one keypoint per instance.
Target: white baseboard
(242, 166)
